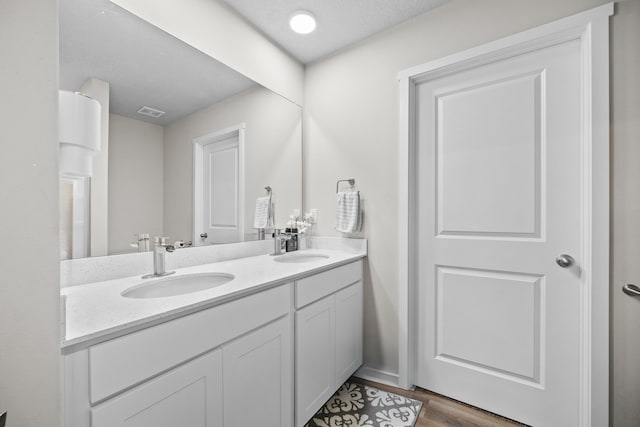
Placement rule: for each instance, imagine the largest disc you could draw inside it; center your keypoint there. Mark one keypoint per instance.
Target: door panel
(499, 151)
(221, 172)
(478, 127)
(468, 318)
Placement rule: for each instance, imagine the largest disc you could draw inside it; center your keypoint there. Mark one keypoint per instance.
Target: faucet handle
(161, 241)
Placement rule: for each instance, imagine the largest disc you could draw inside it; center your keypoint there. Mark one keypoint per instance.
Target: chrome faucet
(279, 242)
(160, 248)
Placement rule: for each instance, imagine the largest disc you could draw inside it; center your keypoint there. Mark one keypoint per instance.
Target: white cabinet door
(258, 387)
(190, 395)
(315, 357)
(348, 332)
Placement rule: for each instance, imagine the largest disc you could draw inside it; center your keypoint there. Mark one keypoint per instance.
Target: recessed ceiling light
(302, 22)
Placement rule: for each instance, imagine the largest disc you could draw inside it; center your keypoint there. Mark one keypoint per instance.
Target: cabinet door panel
(348, 332)
(190, 395)
(315, 357)
(257, 378)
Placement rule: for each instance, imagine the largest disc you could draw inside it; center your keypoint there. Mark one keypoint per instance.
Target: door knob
(631, 290)
(204, 235)
(565, 261)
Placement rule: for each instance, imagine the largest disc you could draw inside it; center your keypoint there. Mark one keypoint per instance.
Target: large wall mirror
(246, 137)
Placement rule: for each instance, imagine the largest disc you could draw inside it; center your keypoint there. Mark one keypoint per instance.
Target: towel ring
(268, 189)
(351, 182)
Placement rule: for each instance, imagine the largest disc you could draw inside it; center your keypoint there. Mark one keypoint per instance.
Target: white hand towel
(264, 213)
(348, 212)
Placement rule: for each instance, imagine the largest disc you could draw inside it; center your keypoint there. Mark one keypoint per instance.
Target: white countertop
(96, 312)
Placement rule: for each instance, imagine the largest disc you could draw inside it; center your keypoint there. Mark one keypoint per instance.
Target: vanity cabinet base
(227, 366)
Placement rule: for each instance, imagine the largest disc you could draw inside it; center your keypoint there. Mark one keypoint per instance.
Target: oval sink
(296, 258)
(177, 285)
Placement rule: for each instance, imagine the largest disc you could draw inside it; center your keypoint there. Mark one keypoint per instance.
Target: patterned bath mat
(356, 405)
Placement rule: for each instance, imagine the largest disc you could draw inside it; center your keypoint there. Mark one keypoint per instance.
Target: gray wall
(136, 163)
(625, 213)
(29, 289)
(272, 156)
(351, 130)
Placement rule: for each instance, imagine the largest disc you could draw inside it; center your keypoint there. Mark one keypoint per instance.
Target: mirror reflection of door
(221, 189)
(74, 217)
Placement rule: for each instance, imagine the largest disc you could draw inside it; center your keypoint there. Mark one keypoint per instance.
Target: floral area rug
(355, 405)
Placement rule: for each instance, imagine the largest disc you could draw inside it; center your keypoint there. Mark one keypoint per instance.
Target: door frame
(591, 28)
(198, 167)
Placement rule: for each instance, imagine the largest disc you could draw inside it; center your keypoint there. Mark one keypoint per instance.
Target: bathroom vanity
(267, 348)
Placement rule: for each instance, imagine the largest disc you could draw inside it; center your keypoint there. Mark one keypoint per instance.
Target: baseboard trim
(378, 376)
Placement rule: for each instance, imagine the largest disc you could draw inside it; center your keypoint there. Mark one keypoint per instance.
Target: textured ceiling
(144, 65)
(340, 22)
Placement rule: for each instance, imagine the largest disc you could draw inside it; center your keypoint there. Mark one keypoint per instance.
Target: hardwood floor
(440, 411)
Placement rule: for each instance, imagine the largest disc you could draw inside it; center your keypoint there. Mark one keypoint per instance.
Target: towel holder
(268, 188)
(351, 182)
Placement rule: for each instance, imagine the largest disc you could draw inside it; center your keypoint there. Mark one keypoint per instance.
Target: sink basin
(299, 258)
(177, 285)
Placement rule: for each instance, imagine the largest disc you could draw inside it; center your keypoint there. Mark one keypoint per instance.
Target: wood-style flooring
(440, 411)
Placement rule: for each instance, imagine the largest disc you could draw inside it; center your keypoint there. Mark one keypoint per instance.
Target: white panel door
(190, 395)
(258, 384)
(221, 192)
(499, 186)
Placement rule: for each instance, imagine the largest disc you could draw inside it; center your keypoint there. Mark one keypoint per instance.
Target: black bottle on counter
(292, 241)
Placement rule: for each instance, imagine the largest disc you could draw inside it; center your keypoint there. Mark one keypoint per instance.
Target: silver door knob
(631, 290)
(204, 235)
(565, 261)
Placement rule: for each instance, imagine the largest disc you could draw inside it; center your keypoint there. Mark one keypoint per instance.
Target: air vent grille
(151, 112)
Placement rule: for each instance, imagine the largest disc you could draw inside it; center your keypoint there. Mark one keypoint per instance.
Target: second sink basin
(300, 257)
(177, 285)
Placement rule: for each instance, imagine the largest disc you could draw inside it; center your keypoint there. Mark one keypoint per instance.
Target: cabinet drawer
(320, 285)
(123, 362)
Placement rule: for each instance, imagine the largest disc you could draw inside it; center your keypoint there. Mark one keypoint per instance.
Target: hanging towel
(264, 213)
(348, 212)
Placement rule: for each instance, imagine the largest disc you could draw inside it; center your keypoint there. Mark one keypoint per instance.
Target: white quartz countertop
(96, 312)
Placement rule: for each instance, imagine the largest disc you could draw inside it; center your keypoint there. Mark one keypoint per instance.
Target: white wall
(351, 124)
(212, 27)
(136, 163)
(29, 288)
(272, 156)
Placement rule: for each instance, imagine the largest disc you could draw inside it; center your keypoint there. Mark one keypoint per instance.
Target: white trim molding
(198, 153)
(591, 28)
(377, 375)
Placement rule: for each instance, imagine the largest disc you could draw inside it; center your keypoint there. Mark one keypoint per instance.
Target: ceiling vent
(151, 112)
